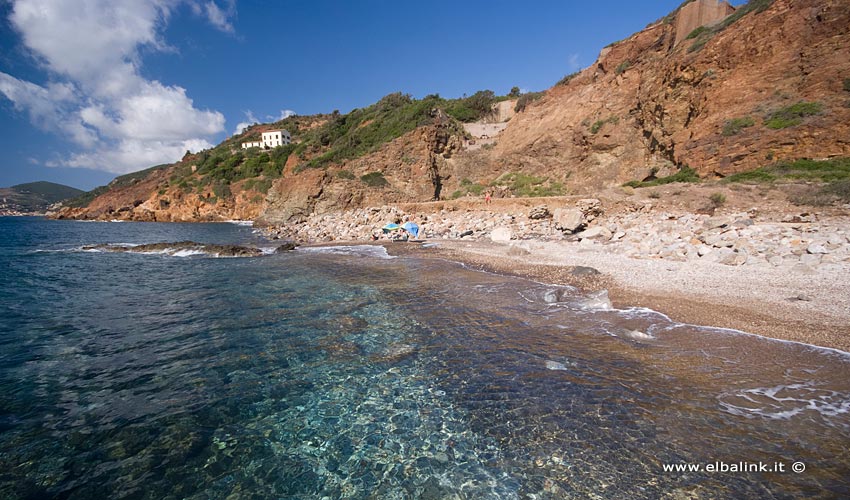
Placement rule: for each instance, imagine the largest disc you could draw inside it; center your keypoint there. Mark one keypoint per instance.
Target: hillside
(704, 93)
(35, 196)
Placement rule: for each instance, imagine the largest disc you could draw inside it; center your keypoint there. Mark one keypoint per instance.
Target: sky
(92, 89)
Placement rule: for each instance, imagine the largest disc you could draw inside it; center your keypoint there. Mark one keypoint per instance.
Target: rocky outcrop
(648, 106)
(411, 168)
(183, 248)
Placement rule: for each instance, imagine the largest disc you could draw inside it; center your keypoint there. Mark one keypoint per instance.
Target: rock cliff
(649, 106)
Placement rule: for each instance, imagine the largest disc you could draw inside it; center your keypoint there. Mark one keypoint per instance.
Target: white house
(271, 139)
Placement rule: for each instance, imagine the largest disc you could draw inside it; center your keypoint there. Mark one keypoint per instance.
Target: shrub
(345, 174)
(655, 195)
(374, 179)
(717, 199)
(846, 84)
(221, 189)
(828, 171)
(597, 125)
(697, 32)
(526, 99)
(527, 185)
(514, 92)
(735, 125)
(622, 67)
(473, 107)
(566, 79)
(839, 189)
(471, 187)
(792, 115)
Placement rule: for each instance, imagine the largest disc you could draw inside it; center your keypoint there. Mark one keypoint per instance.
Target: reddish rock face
(649, 105)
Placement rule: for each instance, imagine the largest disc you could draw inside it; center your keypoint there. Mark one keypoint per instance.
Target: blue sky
(91, 89)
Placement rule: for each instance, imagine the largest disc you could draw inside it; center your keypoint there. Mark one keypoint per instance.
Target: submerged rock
(182, 248)
(597, 300)
(286, 247)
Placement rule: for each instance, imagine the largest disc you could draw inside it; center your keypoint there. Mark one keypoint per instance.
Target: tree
(514, 92)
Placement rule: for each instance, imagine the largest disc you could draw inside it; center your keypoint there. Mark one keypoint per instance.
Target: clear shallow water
(342, 373)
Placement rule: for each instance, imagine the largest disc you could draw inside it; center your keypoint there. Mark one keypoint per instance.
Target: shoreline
(739, 304)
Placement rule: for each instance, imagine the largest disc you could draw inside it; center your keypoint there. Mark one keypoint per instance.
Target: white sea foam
(354, 250)
(554, 365)
(238, 222)
(185, 253)
(782, 402)
(597, 300)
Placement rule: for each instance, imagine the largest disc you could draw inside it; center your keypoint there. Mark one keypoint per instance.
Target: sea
(343, 372)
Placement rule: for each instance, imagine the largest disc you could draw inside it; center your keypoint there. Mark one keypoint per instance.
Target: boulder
(600, 233)
(590, 207)
(816, 248)
(735, 259)
(539, 212)
(501, 235)
(287, 246)
(568, 219)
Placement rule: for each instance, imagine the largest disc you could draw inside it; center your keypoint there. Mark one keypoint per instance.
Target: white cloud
(250, 119)
(220, 18)
(284, 114)
(96, 96)
(130, 155)
(572, 62)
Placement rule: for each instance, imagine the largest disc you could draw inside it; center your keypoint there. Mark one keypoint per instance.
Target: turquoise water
(342, 373)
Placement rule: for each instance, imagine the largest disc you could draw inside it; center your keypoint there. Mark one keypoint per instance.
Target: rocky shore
(783, 275)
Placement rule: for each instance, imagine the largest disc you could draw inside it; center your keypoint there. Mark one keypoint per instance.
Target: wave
(353, 250)
(782, 402)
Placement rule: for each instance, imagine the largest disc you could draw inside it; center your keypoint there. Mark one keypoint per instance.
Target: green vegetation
(365, 130)
(735, 125)
(471, 187)
(598, 124)
(260, 185)
(826, 171)
(622, 67)
(473, 107)
(717, 199)
(345, 174)
(374, 179)
(792, 115)
(697, 32)
(526, 185)
(685, 174)
(846, 85)
(527, 99)
(514, 93)
(567, 79)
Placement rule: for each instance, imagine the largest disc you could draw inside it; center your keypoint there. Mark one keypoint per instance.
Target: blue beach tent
(412, 229)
